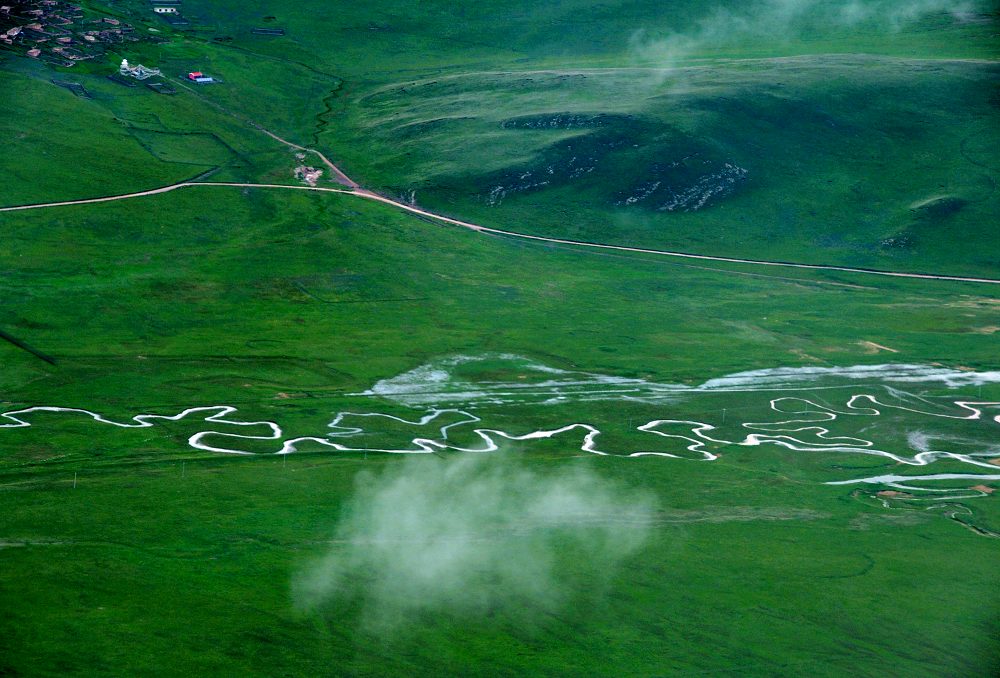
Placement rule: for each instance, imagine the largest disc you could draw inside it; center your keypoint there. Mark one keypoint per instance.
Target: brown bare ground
(871, 348)
(974, 302)
(985, 489)
(799, 353)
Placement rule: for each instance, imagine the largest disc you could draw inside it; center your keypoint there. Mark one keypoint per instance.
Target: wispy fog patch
(896, 14)
(781, 20)
(512, 379)
(918, 440)
(471, 535)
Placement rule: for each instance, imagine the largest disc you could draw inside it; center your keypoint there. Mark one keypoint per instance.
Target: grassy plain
(126, 551)
(789, 165)
(249, 298)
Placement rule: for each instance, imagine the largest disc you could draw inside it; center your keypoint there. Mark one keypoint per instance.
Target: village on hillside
(59, 33)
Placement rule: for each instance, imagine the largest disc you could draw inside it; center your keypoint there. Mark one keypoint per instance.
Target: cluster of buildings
(169, 11)
(140, 72)
(61, 33)
(200, 78)
(58, 32)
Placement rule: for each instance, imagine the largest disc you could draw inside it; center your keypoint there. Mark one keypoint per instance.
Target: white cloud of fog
(779, 20)
(470, 534)
(896, 14)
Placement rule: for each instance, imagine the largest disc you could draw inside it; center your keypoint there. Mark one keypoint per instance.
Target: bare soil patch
(871, 348)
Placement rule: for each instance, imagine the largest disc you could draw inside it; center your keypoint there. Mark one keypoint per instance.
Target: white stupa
(139, 72)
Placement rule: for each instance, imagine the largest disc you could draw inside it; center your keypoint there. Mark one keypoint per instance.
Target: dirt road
(359, 192)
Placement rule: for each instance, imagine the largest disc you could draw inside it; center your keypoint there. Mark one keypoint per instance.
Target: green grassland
(160, 573)
(825, 148)
(792, 167)
(249, 299)
(129, 551)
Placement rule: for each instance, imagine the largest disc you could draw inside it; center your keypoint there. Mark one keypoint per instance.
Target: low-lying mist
(783, 20)
(473, 534)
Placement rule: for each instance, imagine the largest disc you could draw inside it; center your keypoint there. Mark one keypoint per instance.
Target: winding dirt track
(339, 176)
(359, 192)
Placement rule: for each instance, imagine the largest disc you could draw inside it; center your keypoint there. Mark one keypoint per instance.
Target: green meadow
(629, 459)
